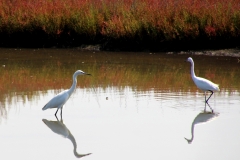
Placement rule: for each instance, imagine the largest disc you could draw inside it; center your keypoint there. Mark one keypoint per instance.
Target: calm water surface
(134, 106)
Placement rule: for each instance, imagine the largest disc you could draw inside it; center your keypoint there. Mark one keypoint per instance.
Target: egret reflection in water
(60, 128)
(201, 118)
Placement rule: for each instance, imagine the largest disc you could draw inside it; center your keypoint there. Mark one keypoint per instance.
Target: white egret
(202, 83)
(60, 99)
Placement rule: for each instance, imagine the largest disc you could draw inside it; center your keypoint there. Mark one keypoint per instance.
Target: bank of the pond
(234, 52)
(43, 40)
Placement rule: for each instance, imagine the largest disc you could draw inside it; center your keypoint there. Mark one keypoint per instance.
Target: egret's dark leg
(209, 96)
(205, 108)
(205, 96)
(56, 118)
(209, 106)
(61, 112)
(205, 102)
(56, 112)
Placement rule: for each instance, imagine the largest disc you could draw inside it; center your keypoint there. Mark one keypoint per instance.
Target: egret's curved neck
(73, 85)
(74, 143)
(192, 133)
(192, 70)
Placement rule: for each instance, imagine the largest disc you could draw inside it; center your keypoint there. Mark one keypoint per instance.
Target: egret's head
(79, 72)
(190, 60)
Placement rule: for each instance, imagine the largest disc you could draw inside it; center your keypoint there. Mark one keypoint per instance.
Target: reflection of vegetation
(27, 73)
(3, 112)
(144, 72)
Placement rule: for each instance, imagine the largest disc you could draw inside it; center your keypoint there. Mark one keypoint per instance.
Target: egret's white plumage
(60, 99)
(202, 83)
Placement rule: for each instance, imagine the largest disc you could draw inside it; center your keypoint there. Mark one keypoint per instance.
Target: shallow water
(134, 106)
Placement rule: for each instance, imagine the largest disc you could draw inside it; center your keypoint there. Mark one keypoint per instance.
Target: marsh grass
(133, 20)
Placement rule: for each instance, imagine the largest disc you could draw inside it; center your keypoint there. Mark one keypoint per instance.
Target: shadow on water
(201, 118)
(60, 128)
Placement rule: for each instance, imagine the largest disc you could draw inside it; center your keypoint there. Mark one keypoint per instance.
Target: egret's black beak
(88, 74)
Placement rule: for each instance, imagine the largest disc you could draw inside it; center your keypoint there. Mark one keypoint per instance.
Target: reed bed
(125, 20)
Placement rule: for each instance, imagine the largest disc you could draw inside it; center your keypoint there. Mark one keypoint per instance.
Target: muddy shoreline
(204, 46)
(232, 52)
(221, 52)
